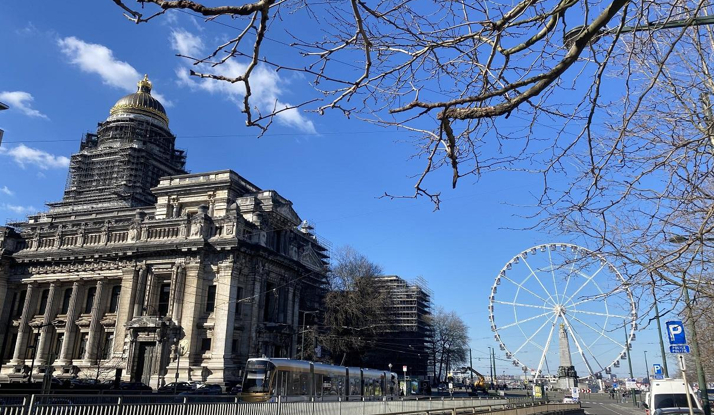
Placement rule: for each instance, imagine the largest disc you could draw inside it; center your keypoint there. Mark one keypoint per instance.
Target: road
(601, 404)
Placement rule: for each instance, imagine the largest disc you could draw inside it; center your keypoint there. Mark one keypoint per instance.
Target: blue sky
(64, 67)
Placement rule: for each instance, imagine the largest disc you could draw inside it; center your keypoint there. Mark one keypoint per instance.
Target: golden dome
(141, 102)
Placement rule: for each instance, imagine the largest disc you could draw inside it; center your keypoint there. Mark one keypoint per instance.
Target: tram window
(318, 385)
(341, 384)
(327, 386)
(355, 386)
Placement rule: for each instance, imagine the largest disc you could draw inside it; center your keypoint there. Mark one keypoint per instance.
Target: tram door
(281, 383)
(144, 360)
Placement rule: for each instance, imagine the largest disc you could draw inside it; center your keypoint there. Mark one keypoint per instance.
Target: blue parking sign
(675, 332)
(657, 369)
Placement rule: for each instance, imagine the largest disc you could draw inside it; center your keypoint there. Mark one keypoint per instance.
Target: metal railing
(155, 404)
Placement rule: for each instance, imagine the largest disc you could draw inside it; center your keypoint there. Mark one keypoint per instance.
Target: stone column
(223, 324)
(140, 289)
(5, 306)
(125, 312)
(296, 320)
(24, 330)
(149, 303)
(254, 315)
(46, 331)
(177, 289)
(95, 329)
(192, 307)
(70, 327)
(289, 319)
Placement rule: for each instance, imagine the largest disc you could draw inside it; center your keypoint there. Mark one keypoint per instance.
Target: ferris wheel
(559, 284)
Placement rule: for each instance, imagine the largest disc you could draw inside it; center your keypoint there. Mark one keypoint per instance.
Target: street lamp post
(695, 350)
(490, 364)
(647, 368)
(659, 330)
(701, 379)
(629, 362)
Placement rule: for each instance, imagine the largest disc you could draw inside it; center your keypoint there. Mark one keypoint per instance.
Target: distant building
(405, 343)
(146, 272)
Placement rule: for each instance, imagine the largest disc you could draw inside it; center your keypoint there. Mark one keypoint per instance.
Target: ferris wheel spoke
(534, 275)
(600, 332)
(526, 320)
(588, 279)
(589, 299)
(577, 344)
(521, 286)
(572, 269)
(582, 339)
(521, 304)
(529, 339)
(595, 313)
(552, 272)
(547, 344)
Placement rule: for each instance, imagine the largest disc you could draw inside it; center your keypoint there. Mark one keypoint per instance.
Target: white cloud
(7, 191)
(21, 101)
(185, 43)
(28, 30)
(100, 60)
(266, 85)
(20, 210)
(23, 156)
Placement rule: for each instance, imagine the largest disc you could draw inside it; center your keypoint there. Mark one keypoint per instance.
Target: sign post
(678, 344)
(683, 367)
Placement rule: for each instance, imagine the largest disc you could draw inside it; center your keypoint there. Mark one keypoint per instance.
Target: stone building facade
(147, 273)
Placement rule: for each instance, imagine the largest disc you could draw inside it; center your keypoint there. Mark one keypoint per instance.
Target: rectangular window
(269, 302)
(10, 347)
(31, 345)
(43, 301)
(205, 345)
(164, 296)
(239, 303)
(211, 299)
(91, 292)
(82, 347)
(107, 346)
(65, 301)
(57, 350)
(114, 299)
(20, 303)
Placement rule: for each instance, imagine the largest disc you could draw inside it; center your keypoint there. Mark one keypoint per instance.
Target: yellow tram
(296, 380)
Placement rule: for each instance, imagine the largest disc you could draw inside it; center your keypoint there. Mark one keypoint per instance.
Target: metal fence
(228, 405)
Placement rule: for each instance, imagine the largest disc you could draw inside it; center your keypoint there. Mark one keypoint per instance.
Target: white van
(670, 393)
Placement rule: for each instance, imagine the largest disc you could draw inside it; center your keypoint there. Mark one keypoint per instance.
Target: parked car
(134, 386)
(205, 390)
(176, 387)
(569, 399)
(669, 393)
(236, 389)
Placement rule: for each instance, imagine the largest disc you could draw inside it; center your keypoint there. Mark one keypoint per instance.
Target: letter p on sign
(675, 331)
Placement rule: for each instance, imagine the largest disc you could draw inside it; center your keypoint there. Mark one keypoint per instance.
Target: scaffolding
(121, 163)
